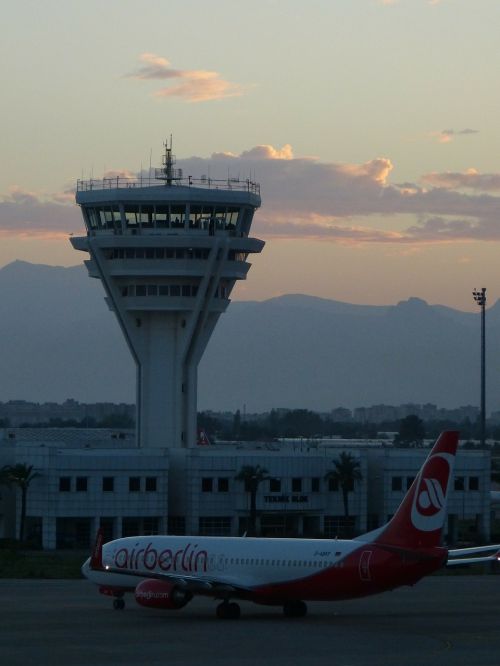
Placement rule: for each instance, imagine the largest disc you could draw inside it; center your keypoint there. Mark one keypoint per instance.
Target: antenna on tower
(167, 172)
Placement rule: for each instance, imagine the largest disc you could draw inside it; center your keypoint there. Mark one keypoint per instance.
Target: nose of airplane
(86, 568)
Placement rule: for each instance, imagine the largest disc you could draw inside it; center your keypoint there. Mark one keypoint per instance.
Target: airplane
(165, 572)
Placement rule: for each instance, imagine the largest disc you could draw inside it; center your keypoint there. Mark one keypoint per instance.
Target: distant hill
(58, 340)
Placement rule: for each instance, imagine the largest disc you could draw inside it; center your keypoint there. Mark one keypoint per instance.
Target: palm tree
(20, 475)
(346, 473)
(252, 478)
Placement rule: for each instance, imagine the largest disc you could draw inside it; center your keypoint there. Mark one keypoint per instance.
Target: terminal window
(397, 483)
(333, 485)
(81, 484)
(474, 483)
(296, 485)
(275, 485)
(108, 484)
(459, 483)
(215, 526)
(64, 484)
(134, 484)
(151, 484)
(207, 485)
(223, 484)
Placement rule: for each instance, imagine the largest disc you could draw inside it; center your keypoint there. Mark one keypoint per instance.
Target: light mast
(168, 255)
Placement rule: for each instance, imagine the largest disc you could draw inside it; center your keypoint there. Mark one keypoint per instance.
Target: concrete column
(118, 527)
(300, 525)
(49, 540)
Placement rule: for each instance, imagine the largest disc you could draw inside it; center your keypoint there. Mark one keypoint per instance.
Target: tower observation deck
(168, 251)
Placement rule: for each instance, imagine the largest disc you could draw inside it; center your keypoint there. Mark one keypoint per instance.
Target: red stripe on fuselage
(351, 578)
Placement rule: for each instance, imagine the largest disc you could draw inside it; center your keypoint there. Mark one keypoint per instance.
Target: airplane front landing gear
(228, 611)
(118, 603)
(295, 609)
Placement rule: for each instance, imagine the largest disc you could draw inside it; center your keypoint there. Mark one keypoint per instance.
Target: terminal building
(97, 478)
(168, 252)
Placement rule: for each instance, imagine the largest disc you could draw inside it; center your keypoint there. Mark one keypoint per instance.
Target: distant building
(427, 412)
(22, 412)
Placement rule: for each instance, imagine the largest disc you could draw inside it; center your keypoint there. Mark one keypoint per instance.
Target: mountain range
(58, 340)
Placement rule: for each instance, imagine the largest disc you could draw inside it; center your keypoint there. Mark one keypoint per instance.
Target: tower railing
(120, 182)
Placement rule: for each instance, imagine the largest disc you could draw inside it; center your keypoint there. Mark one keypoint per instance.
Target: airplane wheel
(234, 611)
(228, 611)
(295, 609)
(119, 604)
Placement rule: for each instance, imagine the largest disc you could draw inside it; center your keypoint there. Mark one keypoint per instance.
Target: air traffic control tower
(168, 251)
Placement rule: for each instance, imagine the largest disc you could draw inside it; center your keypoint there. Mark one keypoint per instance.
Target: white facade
(125, 491)
(315, 508)
(194, 491)
(296, 500)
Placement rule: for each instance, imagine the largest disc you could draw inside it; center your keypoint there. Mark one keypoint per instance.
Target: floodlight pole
(480, 298)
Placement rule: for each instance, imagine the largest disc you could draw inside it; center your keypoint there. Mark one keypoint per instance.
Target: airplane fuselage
(267, 570)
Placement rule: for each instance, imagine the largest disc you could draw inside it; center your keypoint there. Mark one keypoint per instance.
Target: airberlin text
(187, 559)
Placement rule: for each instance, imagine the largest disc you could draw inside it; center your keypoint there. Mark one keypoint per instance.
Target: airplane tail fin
(419, 520)
(96, 557)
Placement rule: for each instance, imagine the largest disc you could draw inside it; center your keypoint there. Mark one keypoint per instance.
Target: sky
(371, 125)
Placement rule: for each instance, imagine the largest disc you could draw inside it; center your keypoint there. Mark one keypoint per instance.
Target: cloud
(448, 135)
(24, 213)
(303, 197)
(192, 85)
(469, 179)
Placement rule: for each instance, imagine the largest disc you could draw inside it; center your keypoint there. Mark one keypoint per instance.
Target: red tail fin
(96, 557)
(420, 518)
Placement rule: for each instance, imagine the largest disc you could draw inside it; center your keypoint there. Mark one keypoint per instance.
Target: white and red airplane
(167, 571)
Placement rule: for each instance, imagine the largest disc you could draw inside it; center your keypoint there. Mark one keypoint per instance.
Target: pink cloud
(196, 85)
(24, 213)
(471, 179)
(303, 197)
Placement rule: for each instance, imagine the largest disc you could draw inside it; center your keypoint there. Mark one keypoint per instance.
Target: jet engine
(161, 594)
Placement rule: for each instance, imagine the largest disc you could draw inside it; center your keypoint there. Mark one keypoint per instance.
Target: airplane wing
(474, 555)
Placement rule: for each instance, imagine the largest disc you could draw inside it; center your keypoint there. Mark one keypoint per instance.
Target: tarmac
(443, 620)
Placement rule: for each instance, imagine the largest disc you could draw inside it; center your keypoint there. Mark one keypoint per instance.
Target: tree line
(303, 423)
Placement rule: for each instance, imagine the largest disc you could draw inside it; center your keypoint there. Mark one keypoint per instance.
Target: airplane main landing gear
(118, 603)
(228, 611)
(295, 609)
